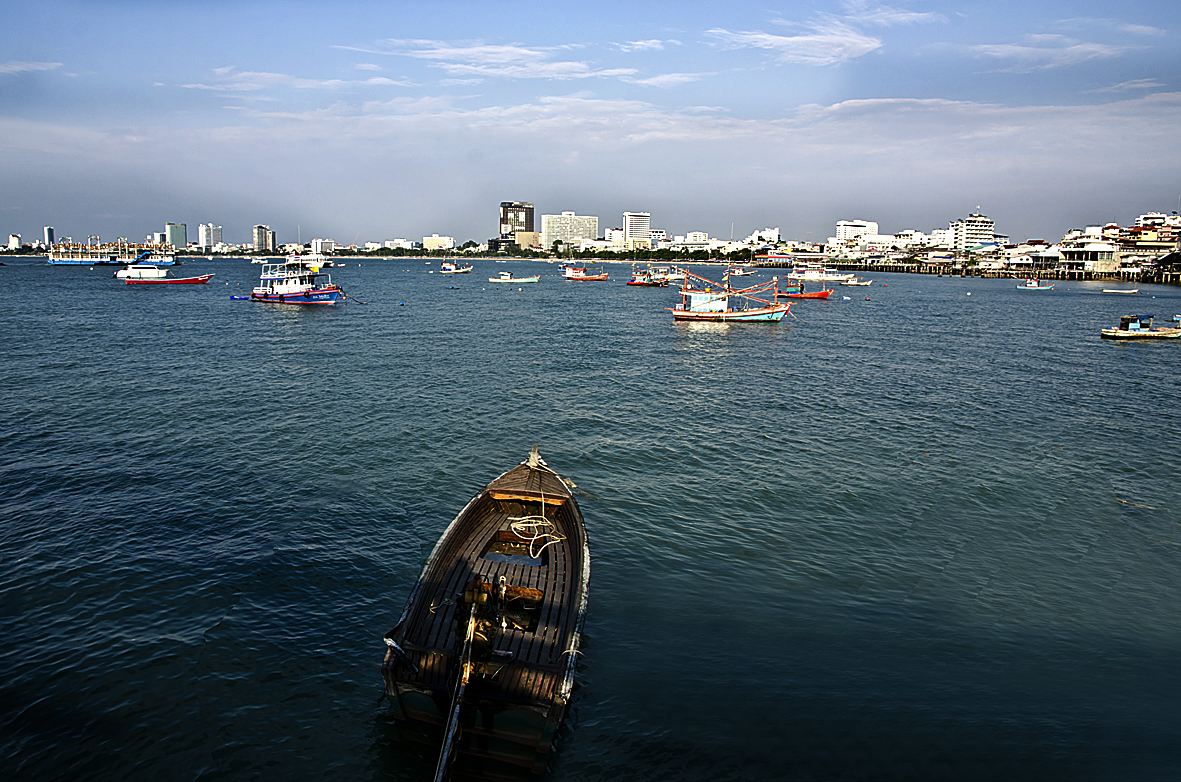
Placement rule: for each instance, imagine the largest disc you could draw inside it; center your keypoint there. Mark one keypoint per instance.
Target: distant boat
(1139, 327)
(580, 274)
(488, 643)
(298, 280)
(1034, 284)
(449, 267)
(647, 278)
(814, 272)
(739, 271)
(858, 282)
(1123, 291)
(670, 273)
(703, 299)
(198, 280)
(141, 272)
(117, 253)
(800, 293)
(509, 278)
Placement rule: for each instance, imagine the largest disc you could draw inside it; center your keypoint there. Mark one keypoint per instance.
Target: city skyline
(374, 122)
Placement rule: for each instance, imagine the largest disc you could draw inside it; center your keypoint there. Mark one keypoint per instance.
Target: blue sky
(368, 121)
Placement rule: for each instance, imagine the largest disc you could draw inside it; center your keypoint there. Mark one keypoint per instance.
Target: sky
(371, 121)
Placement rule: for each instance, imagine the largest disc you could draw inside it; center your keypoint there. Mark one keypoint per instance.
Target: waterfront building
(657, 235)
(323, 246)
(398, 244)
(263, 239)
(971, 231)
(436, 242)
(528, 240)
(47, 236)
(1086, 254)
(1158, 219)
(567, 228)
(615, 238)
(176, 234)
(852, 229)
(515, 216)
(14, 241)
(208, 236)
(637, 230)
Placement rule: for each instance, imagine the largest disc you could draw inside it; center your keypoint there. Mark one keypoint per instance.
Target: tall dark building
(515, 216)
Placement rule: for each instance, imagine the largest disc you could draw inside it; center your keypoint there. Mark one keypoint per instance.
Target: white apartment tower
(263, 239)
(852, 229)
(176, 234)
(970, 231)
(637, 230)
(208, 235)
(567, 228)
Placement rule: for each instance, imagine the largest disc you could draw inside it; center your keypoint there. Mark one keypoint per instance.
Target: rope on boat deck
(533, 528)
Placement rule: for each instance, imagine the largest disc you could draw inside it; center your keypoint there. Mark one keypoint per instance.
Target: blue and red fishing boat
(703, 299)
(298, 280)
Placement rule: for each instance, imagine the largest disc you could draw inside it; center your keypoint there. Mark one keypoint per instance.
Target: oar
(465, 670)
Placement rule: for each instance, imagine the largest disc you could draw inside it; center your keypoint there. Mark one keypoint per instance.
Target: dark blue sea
(932, 534)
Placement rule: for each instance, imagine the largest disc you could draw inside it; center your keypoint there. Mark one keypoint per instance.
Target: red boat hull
(204, 278)
(589, 278)
(808, 295)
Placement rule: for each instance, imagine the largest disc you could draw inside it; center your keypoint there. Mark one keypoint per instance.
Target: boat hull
(312, 297)
(761, 315)
(514, 280)
(1121, 291)
(201, 280)
(589, 278)
(824, 294)
(1157, 333)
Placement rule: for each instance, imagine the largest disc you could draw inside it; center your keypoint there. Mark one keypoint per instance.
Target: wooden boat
(199, 280)
(1034, 284)
(647, 278)
(509, 278)
(1139, 327)
(1124, 291)
(800, 293)
(739, 271)
(703, 299)
(580, 274)
(487, 644)
(448, 267)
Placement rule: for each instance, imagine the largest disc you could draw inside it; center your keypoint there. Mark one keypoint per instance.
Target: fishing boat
(670, 273)
(739, 271)
(116, 253)
(198, 280)
(580, 274)
(297, 280)
(487, 644)
(450, 267)
(1124, 291)
(1139, 327)
(509, 278)
(797, 291)
(703, 299)
(857, 282)
(1034, 284)
(647, 278)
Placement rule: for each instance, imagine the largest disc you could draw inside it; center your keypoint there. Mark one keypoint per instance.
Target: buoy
(969, 293)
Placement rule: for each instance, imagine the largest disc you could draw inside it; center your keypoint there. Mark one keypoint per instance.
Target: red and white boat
(799, 293)
(703, 299)
(580, 274)
(200, 280)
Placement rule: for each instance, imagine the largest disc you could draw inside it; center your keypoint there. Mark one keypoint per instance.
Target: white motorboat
(140, 271)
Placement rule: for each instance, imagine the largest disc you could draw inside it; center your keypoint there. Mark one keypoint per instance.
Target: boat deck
(528, 666)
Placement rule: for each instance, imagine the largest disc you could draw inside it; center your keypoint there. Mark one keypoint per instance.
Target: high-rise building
(323, 246)
(567, 228)
(176, 234)
(971, 231)
(637, 230)
(851, 229)
(515, 216)
(47, 235)
(263, 239)
(436, 242)
(208, 235)
(14, 241)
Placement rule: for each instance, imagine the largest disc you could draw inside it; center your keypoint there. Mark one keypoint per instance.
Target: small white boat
(141, 271)
(858, 282)
(1139, 327)
(1034, 284)
(447, 267)
(509, 278)
(1124, 291)
(739, 271)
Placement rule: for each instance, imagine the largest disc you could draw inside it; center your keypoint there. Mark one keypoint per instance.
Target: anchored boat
(580, 274)
(509, 278)
(647, 278)
(298, 280)
(1139, 327)
(703, 299)
(1034, 284)
(487, 644)
(450, 267)
(198, 280)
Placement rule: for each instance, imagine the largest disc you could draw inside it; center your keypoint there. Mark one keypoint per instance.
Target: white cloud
(1142, 29)
(1133, 84)
(866, 12)
(512, 61)
(8, 68)
(669, 79)
(231, 80)
(650, 44)
(826, 42)
(1045, 51)
(367, 66)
